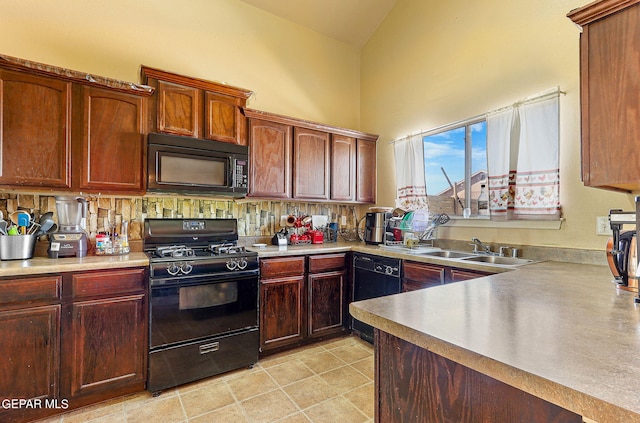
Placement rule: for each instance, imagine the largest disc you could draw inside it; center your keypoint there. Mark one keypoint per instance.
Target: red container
(317, 237)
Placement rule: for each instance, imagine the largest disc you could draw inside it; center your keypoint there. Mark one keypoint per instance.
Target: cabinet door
(326, 303)
(106, 346)
(35, 131)
(366, 165)
(282, 312)
(179, 109)
(421, 275)
(30, 351)
(343, 168)
(610, 99)
(269, 159)
(310, 164)
(109, 128)
(224, 120)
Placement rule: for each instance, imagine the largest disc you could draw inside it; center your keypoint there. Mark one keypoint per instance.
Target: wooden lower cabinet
(327, 290)
(418, 386)
(70, 340)
(282, 317)
(422, 275)
(30, 309)
(105, 347)
(300, 303)
(282, 302)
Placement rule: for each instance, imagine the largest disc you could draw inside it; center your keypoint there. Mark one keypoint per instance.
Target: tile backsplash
(255, 218)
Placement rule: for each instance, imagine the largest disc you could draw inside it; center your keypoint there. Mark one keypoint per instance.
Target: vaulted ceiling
(350, 21)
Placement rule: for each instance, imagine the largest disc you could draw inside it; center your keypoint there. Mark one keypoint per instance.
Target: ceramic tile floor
(327, 382)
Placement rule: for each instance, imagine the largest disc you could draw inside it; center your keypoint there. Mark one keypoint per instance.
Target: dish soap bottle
(483, 201)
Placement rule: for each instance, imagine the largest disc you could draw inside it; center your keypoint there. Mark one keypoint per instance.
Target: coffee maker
(71, 239)
(375, 227)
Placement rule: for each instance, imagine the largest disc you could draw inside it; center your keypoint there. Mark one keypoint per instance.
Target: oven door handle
(209, 348)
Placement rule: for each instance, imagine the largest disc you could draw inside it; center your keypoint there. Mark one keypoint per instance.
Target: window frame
(468, 151)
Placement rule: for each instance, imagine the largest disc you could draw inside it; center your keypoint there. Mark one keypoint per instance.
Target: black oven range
(203, 300)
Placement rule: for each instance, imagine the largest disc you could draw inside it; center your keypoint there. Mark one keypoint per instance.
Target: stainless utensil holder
(17, 247)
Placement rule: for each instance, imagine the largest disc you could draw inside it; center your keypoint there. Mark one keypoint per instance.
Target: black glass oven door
(201, 307)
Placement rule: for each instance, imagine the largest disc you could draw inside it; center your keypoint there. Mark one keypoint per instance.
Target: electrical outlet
(602, 226)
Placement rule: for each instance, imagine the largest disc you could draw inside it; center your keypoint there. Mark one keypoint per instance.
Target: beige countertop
(41, 265)
(560, 331)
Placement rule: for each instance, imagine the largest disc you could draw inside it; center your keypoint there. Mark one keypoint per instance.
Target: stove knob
(173, 269)
(186, 268)
(242, 264)
(232, 264)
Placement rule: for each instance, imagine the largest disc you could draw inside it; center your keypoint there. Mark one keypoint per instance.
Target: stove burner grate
(174, 251)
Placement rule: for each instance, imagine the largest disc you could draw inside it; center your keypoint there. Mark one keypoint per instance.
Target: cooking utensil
(3, 227)
(46, 224)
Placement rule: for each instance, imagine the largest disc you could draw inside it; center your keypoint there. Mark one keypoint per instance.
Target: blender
(71, 239)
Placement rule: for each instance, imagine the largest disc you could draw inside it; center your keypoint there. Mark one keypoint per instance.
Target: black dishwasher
(373, 276)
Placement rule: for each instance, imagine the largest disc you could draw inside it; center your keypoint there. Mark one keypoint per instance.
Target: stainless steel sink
(507, 261)
(448, 254)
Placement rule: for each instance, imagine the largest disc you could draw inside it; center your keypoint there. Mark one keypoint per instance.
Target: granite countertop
(42, 265)
(560, 331)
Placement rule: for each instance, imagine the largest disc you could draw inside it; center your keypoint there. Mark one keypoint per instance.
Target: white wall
(435, 62)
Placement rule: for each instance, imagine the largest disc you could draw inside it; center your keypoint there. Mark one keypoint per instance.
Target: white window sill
(478, 222)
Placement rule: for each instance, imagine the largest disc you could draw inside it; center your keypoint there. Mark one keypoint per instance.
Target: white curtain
(523, 145)
(410, 182)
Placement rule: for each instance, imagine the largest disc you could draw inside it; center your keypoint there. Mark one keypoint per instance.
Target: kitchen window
(455, 166)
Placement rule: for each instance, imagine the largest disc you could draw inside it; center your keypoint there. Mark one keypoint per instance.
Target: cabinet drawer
(30, 289)
(279, 267)
(108, 282)
(420, 272)
(326, 263)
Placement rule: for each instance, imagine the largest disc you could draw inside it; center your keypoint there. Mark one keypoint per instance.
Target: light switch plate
(602, 226)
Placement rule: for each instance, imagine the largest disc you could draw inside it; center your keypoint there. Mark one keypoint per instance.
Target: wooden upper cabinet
(109, 135)
(269, 159)
(179, 109)
(196, 107)
(294, 158)
(366, 171)
(610, 93)
(310, 164)
(343, 168)
(224, 120)
(35, 131)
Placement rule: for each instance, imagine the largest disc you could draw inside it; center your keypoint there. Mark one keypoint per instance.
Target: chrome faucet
(477, 243)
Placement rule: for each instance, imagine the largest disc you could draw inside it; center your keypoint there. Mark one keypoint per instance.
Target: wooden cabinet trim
(50, 71)
(598, 10)
(300, 123)
(326, 262)
(282, 267)
(240, 93)
(107, 283)
(29, 290)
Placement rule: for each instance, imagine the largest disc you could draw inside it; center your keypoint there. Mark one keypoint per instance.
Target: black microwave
(183, 165)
